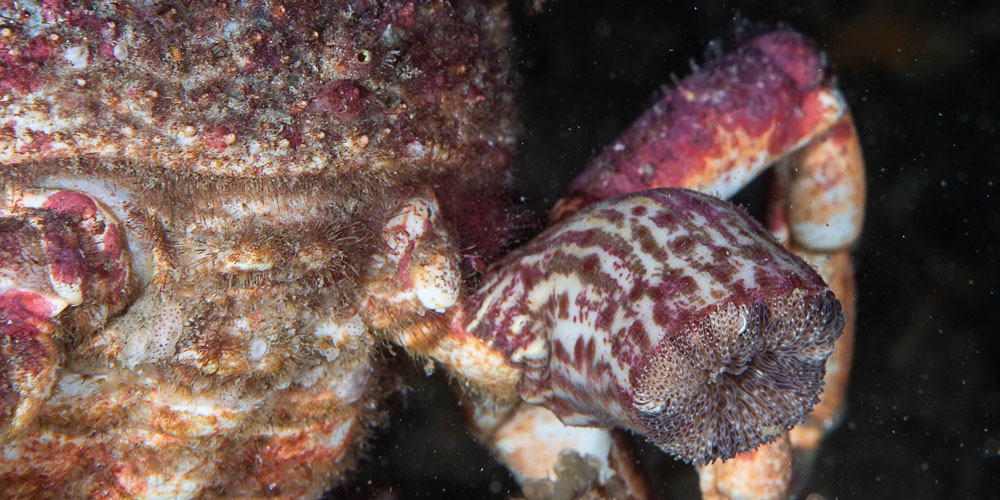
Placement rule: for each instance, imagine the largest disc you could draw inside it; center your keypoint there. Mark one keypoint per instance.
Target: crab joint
(418, 250)
(721, 126)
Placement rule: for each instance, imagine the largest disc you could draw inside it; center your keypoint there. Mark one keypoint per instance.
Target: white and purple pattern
(667, 312)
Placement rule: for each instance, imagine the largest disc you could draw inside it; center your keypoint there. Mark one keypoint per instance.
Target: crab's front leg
(816, 210)
(58, 249)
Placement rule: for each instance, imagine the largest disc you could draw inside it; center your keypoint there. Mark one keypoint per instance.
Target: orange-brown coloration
(254, 158)
(825, 183)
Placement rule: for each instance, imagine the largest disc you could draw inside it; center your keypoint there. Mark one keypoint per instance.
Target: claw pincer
(667, 312)
(56, 249)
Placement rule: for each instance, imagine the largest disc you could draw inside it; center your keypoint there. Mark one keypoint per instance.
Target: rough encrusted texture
(719, 127)
(397, 92)
(253, 153)
(56, 250)
(668, 312)
(264, 159)
(257, 89)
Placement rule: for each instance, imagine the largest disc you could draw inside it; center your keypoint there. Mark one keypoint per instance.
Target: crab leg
(57, 249)
(720, 127)
(545, 455)
(817, 211)
(762, 474)
(419, 278)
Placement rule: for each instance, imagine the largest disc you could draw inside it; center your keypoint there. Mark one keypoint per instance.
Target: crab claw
(57, 249)
(667, 312)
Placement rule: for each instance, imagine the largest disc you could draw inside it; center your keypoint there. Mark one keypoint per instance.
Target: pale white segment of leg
(824, 185)
(436, 283)
(531, 440)
(472, 358)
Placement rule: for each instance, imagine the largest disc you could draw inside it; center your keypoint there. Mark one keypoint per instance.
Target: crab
(215, 217)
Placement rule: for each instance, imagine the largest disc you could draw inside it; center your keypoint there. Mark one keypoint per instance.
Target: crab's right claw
(58, 249)
(29, 358)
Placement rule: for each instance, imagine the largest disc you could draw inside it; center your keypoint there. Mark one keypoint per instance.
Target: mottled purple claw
(667, 312)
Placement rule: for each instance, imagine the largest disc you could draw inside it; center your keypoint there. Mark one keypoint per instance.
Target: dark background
(923, 417)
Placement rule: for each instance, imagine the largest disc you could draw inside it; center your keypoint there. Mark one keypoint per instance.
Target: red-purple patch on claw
(19, 306)
(28, 357)
(64, 256)
(20, 346)
(71, 203)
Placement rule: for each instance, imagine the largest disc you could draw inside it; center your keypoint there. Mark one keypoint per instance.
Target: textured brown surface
(252, 89)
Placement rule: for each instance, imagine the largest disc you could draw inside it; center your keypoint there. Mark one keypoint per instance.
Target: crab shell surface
(214, 216)
(251, 158)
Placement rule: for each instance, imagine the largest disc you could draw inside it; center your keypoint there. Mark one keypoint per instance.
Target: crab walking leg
(816, 210)
(838, 272)
(57, 249)
(546, 455)
(761, 474)
(667, 312)
(29, 357)
(719, 127)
